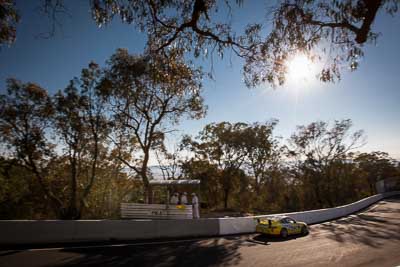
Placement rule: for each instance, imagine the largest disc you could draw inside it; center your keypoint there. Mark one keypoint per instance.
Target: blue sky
(370, 96)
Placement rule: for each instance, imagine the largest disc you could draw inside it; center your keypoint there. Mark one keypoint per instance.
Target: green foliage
(208, 174)
(375, 166)
(60, 162)
(113, 186)
(119, 113)
(332, 31)
(222, 145)
(321, 156)
(65, 155)
(147, 97)
(36, 127)
(9, 18)
(244, 167)
(316, 169)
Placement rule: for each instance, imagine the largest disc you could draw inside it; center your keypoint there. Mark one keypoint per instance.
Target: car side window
(291, 221)
(284, 220)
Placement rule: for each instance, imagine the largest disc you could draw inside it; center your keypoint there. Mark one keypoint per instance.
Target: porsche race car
(280, 225)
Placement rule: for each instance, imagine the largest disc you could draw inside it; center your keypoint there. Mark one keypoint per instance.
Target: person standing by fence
(174, 199)
(195, 204)
(184, 200)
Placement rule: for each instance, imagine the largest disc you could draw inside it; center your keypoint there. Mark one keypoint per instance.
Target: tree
(375, 166)
(8, 22)
(20, 195)
(169, 163)
(24, 120)
(264, 164)
(58, 139)
(147, 97)
(81, 126)
(208, 174)
(298, 26)
(319, 153)
(112, 187)
(262, 151)
(334, 30)
(222, 144)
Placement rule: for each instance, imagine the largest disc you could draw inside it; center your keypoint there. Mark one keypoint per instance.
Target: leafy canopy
(334, 32)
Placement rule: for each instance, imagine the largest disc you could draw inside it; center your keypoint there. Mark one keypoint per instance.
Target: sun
(300, 69)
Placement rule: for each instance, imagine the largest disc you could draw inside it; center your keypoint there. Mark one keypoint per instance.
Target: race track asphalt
(369, 238)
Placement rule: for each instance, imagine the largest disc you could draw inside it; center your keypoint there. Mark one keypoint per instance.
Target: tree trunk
(226, 197)
(72, 213)
(371, 189)
(318, 195)
(257, 184)
(372, 7)
(55, 202)
(148, 194)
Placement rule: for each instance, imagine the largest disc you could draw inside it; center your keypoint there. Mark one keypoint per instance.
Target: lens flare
(300, 69)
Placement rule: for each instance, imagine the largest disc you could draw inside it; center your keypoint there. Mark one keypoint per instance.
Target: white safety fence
(50, 231)
(155, 211)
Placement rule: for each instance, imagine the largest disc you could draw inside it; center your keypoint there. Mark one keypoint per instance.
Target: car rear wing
(269, 221)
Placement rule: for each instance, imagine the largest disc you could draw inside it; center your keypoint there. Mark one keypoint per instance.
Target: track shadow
(8, 252)
(393, 200)
(264, 239)
(369, 228)
(214, 252)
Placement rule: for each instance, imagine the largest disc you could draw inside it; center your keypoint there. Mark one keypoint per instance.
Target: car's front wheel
(304, 230)
(284, 233)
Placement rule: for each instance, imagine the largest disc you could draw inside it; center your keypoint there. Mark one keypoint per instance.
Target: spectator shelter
(161, 211)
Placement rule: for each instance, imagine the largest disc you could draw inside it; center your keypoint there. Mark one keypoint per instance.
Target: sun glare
(301, 69)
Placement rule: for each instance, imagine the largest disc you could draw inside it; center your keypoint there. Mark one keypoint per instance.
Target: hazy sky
(370, 96)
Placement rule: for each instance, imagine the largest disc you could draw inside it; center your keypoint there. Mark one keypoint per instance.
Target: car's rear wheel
(304, 230)
(284, 233)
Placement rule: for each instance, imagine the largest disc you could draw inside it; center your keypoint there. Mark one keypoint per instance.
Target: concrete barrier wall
(248, 224)
(51, 231)
(16, 232)
(228, 226)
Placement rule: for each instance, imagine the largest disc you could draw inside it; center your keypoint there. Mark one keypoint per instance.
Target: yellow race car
(280, 225)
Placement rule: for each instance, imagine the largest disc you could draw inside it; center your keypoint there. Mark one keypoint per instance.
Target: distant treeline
(244, 167)
(66, 155)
